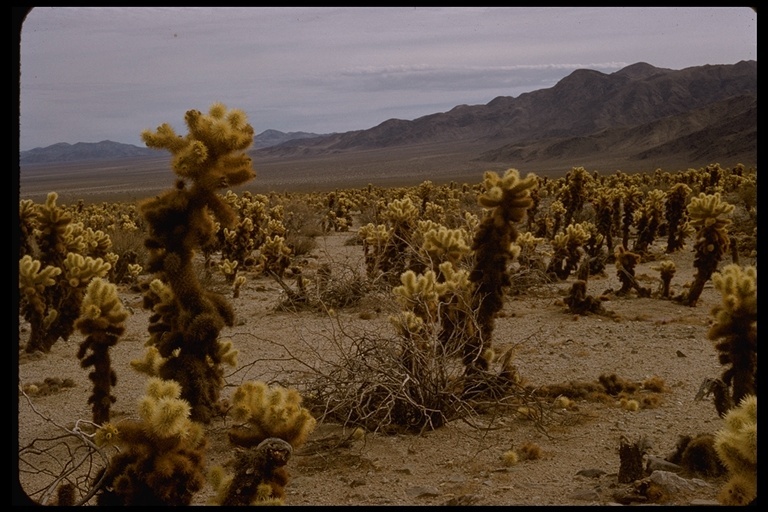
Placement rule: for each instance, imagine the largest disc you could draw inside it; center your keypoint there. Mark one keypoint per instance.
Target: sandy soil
(461, 462)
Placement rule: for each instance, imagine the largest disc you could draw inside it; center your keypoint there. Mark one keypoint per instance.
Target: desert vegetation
(441, 261)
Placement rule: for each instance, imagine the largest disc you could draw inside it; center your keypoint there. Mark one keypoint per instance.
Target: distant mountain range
(638, 113)
(109, 150)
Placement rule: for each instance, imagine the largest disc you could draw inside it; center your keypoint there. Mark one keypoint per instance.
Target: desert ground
(575, 456)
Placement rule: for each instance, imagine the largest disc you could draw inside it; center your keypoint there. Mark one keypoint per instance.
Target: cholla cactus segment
(528, 241)
(79, 270)
(134, 269)
(735, 328)
(228, 353)
(269, 412)
(738, 308)
(408, 325)
(736, 446)
(444, 244)
(401, 212)
(456, 281)
(418, 291)
(709, 211)
(101, 303)
(212, 154)
(163, 412)
(106, 435)
(162, 290)
(151, 363)
(98, 242)
(574, 236)
(274, 255)
(375, 234)
(228, 267)
(509, 191)
(32, 279)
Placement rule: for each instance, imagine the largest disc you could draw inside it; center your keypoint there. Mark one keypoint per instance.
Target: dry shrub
(393, 384)
(524, 280)
(129, 247)
(332, 286)
(302, 224)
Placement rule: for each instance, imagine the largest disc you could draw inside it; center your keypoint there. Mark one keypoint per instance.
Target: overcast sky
(96, 73)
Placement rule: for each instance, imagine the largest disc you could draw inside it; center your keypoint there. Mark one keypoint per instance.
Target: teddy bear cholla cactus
(709, 217)
(736, 446)
(269, 411)
(568, 249)
(210, 157)
(506, 198)
(161, 460)
(65, 245)
(735, 331)
(271, 424)
(102, 321)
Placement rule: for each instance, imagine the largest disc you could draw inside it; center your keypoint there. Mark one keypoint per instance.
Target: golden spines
(165, 415)
(444, 244)
(227, 352)
(509, 191)
(417, 289)
(79, 270)
(401, 211)
(738, 287)
(33, 280)
(736, 446)
(374, 234)
(151, 363)
(212, 152)
(574, 235)
(709, 211)
(271, 412)
(102, 306)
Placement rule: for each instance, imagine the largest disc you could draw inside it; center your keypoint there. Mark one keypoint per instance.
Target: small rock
(585, 495)
(657, 463)
(680, 354)
(591, 473)
(704, 503)
(422, 491)
(672, 482)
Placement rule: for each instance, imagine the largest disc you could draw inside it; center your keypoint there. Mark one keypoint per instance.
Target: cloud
(97, 73)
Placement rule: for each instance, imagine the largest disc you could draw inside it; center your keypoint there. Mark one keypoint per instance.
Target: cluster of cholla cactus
(161, 457)
(209, 158)
(568, 250)
(388, 244)
(257, 224)
(736, 446)
(274, 256)
(648, 219)
(271, 424)
(709, 216)
(54, 277)
(102, 322)
(338, 215)
(734, 332)
(625, 262)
